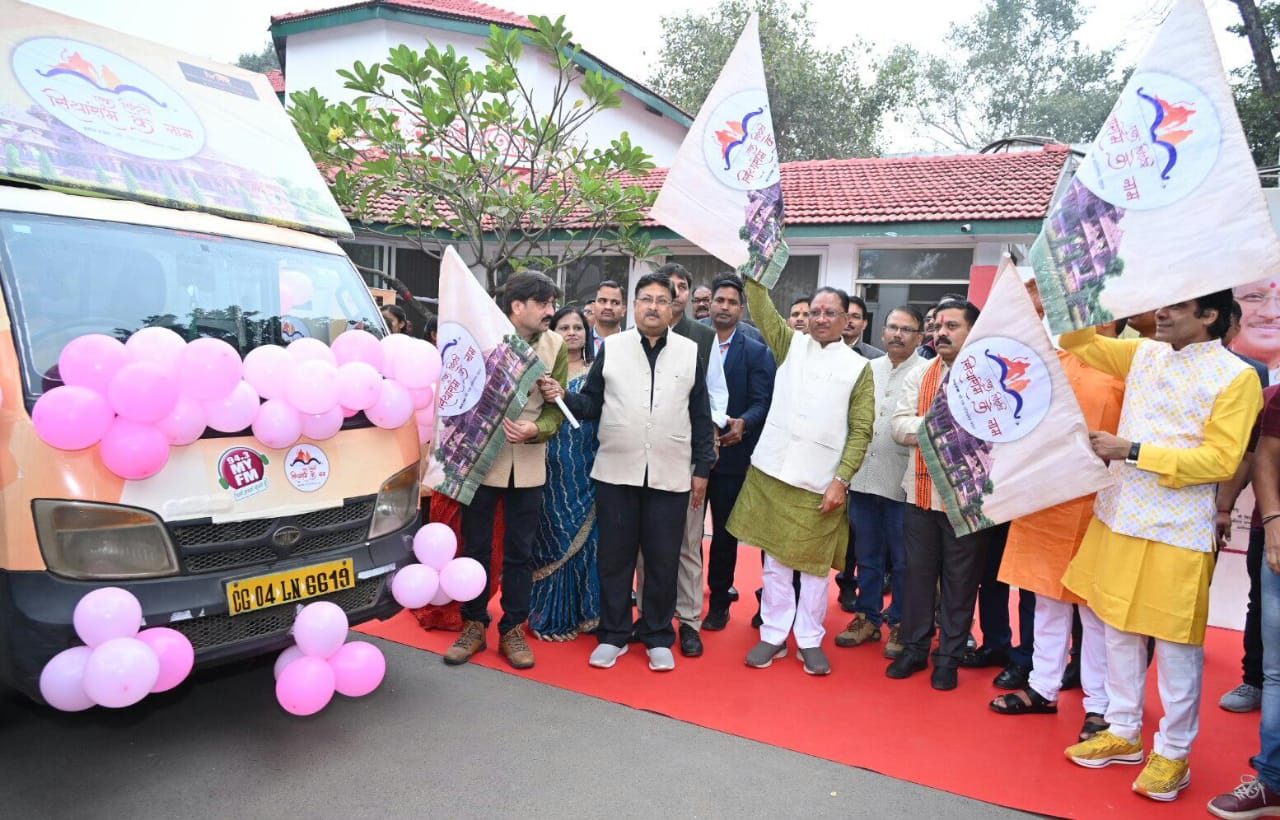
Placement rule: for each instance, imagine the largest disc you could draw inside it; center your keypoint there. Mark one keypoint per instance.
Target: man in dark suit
(748, 371)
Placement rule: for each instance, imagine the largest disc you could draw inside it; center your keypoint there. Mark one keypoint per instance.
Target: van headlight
(397, 504)
(90, 541)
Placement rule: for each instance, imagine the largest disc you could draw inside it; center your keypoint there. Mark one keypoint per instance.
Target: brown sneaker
(859, 631)
(515, 649)
(893, 647)
(469, 643)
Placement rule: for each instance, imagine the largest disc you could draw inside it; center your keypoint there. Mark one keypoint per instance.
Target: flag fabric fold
(1167, 190)
(486, 375)
(724, 190)
(1005, 436)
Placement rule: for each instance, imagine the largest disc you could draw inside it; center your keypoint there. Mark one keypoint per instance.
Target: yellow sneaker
(1163, 778)
(1103, 749)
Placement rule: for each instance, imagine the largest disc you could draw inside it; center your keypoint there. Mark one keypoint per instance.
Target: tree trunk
(1254, 29)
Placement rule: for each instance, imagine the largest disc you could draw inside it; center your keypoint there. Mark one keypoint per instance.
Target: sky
(630, 42)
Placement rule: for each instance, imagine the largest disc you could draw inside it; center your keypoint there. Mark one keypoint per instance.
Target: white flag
(724, 191)
(1166, 194)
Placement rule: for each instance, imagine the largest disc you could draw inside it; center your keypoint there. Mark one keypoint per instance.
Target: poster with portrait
(1167, 190)
(724, 190)
(1005, 436)
(486, 374)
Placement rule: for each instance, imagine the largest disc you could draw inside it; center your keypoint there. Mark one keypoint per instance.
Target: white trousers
(780, 613)
(1053, 649)
(1180, 668)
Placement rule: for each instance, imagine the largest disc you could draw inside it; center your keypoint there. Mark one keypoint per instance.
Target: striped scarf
(928, 390)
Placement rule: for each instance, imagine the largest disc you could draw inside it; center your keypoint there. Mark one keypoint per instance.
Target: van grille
(207, 547)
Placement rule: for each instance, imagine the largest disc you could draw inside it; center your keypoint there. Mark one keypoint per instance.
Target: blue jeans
(877, 526)
(1267, 763)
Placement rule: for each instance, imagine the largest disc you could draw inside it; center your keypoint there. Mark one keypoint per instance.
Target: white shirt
(717, 390)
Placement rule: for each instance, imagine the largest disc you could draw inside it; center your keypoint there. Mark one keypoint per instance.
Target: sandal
(1093, 723)
(1012, 704)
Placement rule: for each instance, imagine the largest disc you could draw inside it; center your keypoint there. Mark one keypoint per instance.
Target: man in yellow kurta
(1147, 558)
(792, 503)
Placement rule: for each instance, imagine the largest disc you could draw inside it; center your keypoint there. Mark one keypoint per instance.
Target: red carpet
(904, 729)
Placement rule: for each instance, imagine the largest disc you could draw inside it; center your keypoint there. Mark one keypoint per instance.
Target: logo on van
(244, 472)
(307, 467)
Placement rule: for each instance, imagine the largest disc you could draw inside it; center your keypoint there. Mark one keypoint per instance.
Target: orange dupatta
(928, 391)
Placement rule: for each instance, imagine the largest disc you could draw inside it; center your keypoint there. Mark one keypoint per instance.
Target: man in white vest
(1147, 558)
(650, 396)
(792, 503)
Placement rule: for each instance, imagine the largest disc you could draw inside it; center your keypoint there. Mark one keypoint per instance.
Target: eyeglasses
(826, 314)
(906, 331)
(649, 301)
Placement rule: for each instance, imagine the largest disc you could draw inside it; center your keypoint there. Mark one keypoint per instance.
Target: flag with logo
(486, 375)
(724, 190)
(1005, 436)
(1166, 192)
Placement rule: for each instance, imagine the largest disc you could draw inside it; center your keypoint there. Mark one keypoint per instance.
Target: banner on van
(87, 109)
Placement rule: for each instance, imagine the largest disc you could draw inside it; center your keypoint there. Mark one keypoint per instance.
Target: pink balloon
(348, 412)
(121, 672)
(463, 578)
(304, 350)
(175, 653)
(278, 425)
(134, 450)
(233, 412)
(298, 284)
(72, 418)
(392, 344)
(393, 408)
(435, 544)
(185, 423)
(265, 369)
(312, 387)
(209, 369)
(90, 361)
(424, 397)
(358, 669)
(323, 425)
(320, 629)
(287, 300)
(417, 365)
(414, 586)
(62, 680)
(359, 384)
(357, 346)
(142, 391)
(158, 345)
(106, 613)
(441, 598)
(305, 686)
(425, 415)
(287, 657)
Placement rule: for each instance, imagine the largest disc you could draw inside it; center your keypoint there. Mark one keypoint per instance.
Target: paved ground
(432, 742)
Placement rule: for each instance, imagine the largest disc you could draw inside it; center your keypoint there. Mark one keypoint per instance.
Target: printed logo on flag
(999, 389)
(738, 142)
(1158, 145)
(107, 98)
(462, 375)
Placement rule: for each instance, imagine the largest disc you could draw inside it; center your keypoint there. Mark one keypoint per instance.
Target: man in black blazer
(748, 370)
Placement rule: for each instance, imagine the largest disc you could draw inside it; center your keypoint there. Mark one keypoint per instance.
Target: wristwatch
(1134, 449)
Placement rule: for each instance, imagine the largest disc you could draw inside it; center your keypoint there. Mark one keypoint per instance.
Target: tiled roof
(958, 188)
(457, 9)
(276, 77)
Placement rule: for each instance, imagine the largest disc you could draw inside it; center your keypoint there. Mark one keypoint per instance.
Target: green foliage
(1016, 68)
(471, 150)
(821, 106)
(259, 61)
(1259, 112)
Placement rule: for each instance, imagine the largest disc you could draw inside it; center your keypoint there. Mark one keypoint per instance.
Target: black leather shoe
(1071, 677)
(849, 599)
(944, 678)
(906, 665)
(1013, 676)
(984, 657)
(716, 620)
(757, 621)
(690, 643)
(733, 595)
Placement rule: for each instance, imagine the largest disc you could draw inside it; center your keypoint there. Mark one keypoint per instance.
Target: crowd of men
(802, 439)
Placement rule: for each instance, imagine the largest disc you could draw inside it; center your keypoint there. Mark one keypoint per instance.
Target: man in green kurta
(792, 504)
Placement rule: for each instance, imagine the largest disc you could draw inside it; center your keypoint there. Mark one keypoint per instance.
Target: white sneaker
(1244, 698)
(661, 659)
(606, 655)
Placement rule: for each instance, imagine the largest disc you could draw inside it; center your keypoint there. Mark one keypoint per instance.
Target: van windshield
(66, 277)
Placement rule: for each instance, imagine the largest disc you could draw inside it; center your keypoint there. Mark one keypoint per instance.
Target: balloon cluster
(119, 665)
(138, 398)
(438, 578)
(321, 662)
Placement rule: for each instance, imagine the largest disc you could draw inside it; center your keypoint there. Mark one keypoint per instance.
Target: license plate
(260, 592)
